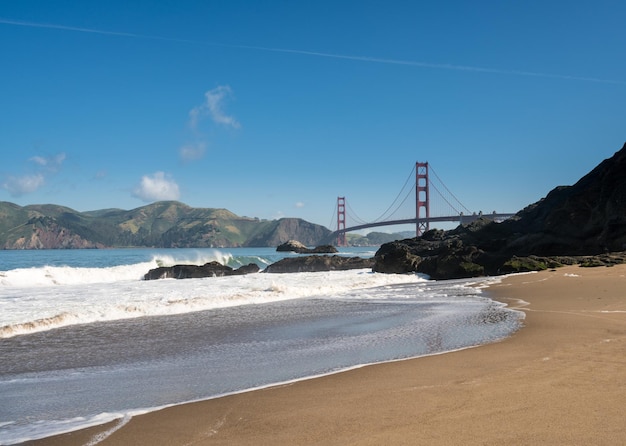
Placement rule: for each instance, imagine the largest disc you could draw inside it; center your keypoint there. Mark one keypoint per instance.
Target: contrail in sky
(316, 53)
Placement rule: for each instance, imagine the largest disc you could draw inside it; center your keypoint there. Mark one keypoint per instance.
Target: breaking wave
(48, 275)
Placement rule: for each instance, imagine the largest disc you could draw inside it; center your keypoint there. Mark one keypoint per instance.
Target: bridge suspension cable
(386, 214)
(354, 216)
(333, 219)
(449, 192)
(445, 199)
(410, 191)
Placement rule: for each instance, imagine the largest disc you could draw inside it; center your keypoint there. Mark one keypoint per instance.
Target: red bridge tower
(422, 202)
(341, 221)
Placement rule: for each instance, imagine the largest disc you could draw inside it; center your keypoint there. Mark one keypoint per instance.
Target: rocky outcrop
(211, 269)
(455, 254)
(290, 246)
(297, 247)
(572, 224)
(323, 249)
(317, 263)
(439, 254)
(313, 263)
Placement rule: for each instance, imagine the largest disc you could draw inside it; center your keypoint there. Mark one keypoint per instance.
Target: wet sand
(560, 380)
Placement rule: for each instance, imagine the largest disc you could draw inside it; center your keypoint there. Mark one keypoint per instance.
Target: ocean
(84, 340)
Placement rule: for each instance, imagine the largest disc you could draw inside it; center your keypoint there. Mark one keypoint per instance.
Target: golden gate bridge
(421, 192)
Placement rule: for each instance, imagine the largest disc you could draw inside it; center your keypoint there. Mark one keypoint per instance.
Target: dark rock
(450, 256)
(318, 263)
(250, 268)
(588, 218)
(525, 264)
(290, 246)
(323, 249)
(611, 259)
(396, 257)
(296, 246)
(584, 223)
(211, 269)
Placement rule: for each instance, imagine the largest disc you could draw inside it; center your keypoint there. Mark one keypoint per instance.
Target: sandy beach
(560, 380)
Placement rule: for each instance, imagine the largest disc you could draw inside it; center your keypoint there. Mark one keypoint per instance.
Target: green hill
(166, 224)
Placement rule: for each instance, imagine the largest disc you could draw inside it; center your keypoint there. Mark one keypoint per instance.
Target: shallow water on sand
(73, 376)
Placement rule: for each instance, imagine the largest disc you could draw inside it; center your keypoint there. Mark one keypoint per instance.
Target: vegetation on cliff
(166, 224)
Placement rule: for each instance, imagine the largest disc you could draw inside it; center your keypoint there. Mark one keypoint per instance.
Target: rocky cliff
(567, 226)
(280, 231)
(586, 218)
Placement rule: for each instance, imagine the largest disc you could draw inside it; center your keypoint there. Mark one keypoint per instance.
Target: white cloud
(194, 117)
(299, 204)
(29, 183)
(213, 107)
(18, 186)
(214, 99)
(39, 160)
(192, 151)
(157, 187)
(58, 159)
(52, 163)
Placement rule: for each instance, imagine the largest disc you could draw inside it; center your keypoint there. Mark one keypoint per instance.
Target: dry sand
(560, 380)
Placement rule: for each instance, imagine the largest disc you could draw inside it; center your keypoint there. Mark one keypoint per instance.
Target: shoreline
(538, 385)
(107, 417)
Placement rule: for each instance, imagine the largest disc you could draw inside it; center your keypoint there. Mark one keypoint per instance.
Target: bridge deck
(452, 218)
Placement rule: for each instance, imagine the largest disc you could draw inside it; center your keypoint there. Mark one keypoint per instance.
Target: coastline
(558, 380)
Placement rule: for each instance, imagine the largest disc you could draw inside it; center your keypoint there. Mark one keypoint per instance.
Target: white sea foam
(195, 258)
(66, 275)
(106, 434)
(34, 431)
(85, 295)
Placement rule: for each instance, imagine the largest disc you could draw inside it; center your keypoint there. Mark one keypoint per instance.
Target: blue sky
(274, 109)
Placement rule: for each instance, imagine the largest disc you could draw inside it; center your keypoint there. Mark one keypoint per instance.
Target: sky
(274, 109)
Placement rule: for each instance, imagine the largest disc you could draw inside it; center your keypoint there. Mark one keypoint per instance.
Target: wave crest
(38, 325)
(68, 275)
(200, 258)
